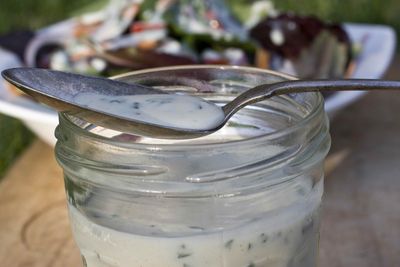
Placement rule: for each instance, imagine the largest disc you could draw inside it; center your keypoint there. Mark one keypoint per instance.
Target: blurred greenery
(16, 14)
(14, 137)
(33, 14)
(363, 11)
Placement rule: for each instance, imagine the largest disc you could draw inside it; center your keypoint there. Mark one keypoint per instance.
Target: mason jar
(248, 195)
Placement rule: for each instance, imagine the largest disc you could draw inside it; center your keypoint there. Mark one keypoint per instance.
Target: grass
(33, 14)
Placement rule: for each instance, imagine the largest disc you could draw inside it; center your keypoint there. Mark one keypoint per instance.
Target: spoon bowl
(59, 89)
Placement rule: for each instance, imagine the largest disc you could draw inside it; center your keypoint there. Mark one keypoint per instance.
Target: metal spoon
(57, 89)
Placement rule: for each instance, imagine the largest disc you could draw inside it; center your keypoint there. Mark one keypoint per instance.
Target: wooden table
(361, 211)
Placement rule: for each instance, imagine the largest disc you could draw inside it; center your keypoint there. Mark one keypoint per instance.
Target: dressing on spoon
(169, 110)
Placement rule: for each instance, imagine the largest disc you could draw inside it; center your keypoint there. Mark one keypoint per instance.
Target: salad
(135, 34)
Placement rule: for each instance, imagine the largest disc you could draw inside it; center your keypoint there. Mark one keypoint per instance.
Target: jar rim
(308, 118)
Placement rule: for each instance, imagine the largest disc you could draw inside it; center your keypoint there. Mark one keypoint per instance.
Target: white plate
(378, 46)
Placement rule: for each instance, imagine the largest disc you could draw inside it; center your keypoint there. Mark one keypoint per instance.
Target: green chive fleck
(228, 244)
(183, 255)
(264, 238)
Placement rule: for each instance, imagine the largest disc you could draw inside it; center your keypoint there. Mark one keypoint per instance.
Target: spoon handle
(265, 91)
(335, 85)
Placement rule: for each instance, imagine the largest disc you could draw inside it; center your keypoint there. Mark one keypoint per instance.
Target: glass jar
(245, 196)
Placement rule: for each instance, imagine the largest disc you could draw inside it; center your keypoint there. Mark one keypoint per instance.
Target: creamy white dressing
(170, 110)
(261, 243)
(288, 238)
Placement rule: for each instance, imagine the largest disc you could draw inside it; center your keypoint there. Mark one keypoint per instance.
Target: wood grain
(34, 230)
(361, 211)
(361, 214)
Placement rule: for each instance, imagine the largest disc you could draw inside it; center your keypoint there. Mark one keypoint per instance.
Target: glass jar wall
(246, 196)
